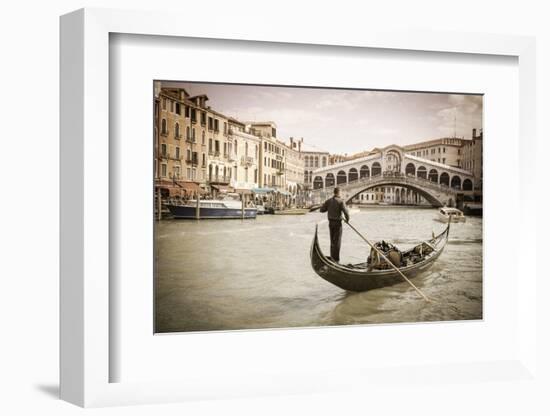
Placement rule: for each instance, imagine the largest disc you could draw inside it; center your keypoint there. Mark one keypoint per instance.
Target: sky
(346, 121)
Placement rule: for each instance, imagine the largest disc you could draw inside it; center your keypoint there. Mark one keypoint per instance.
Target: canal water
(235, 274)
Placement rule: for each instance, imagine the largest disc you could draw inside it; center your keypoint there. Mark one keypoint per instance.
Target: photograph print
(295, 206)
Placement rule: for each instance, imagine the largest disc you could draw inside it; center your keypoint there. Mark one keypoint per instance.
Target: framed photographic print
(238, 212)
(230, 275)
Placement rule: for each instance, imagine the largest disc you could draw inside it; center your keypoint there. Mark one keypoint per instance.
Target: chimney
(473, 133)
(292, 143)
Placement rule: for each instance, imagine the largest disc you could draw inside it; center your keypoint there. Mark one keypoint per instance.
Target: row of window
(270, 147)
(274, 163)
(432, 151)
(313, 161)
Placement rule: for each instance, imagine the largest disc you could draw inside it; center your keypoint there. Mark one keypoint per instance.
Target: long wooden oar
(389, 262)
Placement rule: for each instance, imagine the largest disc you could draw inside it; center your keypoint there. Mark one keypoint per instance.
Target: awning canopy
(243, 191)
(223, 188)
(190, 187)
(262, 190)
(285, 193)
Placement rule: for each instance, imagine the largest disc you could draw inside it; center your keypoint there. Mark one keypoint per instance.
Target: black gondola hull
(356, 279)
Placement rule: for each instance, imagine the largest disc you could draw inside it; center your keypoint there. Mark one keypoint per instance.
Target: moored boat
(227, 208)
(446, 213)
(261, 209)
(292, 211)
(375, 273)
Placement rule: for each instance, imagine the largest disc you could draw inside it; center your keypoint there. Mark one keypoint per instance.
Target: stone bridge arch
(431, 198)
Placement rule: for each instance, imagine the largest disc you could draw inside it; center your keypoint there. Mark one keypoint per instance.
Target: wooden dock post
(242, 205)
(159, 205)
(198, 210)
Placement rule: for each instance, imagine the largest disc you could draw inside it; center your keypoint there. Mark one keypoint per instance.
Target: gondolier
(335, 207)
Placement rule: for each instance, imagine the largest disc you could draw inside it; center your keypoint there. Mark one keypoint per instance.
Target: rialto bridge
(437, 183)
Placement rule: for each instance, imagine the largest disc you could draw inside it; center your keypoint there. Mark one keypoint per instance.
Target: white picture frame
(85, 219)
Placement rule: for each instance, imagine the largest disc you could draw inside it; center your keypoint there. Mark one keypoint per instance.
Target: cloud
(462, 113)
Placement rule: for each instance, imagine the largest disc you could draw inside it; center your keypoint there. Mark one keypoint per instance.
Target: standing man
(335, 207)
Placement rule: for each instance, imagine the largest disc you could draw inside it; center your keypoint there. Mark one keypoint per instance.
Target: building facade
(448, 151)
(272, 155)
(294, 172)
(473, 157)
(246, 150)
(314, 158)
(193, 147)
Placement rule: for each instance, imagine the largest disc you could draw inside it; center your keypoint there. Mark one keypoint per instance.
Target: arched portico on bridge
(341, 177)
(318, 182)
(391, 161)
(329, 180)
(353, 175)
(432, 199)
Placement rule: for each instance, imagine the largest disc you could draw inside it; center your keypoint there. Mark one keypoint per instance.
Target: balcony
(217, 153)
(190, 140)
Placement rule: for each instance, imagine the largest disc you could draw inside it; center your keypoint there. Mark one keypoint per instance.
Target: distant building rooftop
(306, 147)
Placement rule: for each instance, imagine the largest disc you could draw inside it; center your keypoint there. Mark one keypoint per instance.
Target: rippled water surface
(233, 274)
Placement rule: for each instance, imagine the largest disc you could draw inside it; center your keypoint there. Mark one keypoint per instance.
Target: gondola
(361, 277)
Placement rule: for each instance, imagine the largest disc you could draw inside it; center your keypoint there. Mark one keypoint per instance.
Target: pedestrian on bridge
(335, 207)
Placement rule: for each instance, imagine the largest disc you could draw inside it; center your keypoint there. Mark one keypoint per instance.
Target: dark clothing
(335, 228)
(335, 207)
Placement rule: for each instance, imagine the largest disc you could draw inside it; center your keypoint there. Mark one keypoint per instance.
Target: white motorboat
(454, 214)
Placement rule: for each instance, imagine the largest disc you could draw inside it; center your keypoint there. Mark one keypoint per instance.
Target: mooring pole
(159, 205)
(198, 209)
(242, 205)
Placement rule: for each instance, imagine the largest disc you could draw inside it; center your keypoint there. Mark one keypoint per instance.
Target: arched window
(318, 182)
(187, 133)
(341, 177)
(410, 170)
(193, 137)
(329, 180)
(433, 175)
(163, 127)
(177, 130)
(376, 169)
(444, 179)
(324, 161)
(246, 149)
(203, 141)
(421, 172)
(467, 185)
(352, 175)
(364, 172)
(455, 182)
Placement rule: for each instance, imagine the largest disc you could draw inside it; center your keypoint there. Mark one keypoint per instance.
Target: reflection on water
(233, 274)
